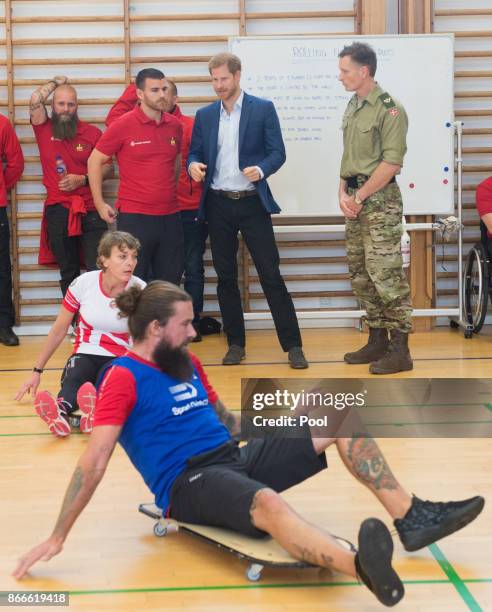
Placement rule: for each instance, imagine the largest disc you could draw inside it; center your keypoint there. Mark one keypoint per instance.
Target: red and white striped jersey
(99, 331)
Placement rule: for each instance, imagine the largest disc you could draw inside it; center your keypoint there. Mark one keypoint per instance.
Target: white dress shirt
(227, 175)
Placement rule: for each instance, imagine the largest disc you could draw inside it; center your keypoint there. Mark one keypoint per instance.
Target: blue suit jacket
(260, 144)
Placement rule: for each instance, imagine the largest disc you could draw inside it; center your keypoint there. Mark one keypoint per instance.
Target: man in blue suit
(236, 145)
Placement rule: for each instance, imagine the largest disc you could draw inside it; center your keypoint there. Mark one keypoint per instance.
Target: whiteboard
(300, 75)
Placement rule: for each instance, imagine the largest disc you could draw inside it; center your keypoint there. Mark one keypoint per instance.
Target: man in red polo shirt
(11, 167)
(189, 193)
(70, 221)
(147, 145)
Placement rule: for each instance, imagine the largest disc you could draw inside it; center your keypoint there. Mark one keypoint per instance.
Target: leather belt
(234, 195)
(353, 181)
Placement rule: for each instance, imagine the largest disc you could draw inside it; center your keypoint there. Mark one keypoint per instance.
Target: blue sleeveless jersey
(170, 422)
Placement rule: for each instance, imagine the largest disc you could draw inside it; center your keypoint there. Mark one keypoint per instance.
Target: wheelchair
(477, 281)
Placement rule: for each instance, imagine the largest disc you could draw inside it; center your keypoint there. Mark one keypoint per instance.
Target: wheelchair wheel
(476, 286)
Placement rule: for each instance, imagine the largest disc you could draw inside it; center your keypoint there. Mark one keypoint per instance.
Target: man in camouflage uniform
(374, 137)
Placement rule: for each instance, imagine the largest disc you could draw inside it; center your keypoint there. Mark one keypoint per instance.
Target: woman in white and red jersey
(101, 334)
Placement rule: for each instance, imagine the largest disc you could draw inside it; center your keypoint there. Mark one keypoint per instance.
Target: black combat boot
(397, 357)
(376, 347)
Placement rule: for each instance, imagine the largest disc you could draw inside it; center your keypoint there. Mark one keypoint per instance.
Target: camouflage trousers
(375, 262)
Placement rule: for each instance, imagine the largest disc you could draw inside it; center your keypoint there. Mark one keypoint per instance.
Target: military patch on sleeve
(387, 100)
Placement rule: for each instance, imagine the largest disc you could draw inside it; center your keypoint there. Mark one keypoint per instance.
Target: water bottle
(405, 245)
(61, 168)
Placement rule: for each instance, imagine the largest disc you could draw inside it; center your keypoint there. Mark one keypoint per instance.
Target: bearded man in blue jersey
(154, 401)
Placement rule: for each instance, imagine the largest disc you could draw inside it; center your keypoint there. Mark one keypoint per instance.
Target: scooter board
(259, 552)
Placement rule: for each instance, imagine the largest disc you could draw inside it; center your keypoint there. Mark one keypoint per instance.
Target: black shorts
(218, 487)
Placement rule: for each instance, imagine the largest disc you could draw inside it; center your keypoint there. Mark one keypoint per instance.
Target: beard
(64, 127)
(159, 107)
(175, 362)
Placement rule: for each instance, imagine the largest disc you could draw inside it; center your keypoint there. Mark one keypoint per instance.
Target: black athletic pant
(80, 368)
(161, 256)
(225, 219)
(65, 248)
(7, 316)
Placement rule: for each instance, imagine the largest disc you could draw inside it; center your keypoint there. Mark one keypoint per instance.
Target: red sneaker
(86, 400)
(51, 412)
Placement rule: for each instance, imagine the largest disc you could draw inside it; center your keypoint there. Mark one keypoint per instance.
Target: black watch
(86, 180)
(37, 370)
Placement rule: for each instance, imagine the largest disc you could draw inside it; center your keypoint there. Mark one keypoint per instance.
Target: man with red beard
(71, 224)
(189, 193)
(154, 402)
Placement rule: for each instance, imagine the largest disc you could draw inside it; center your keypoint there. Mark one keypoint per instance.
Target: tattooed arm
(37, 110)
(227, 418)
(87, 475)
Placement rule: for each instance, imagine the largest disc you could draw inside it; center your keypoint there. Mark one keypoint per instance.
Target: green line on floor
(456, 581)
(410, 423)
(258, 585)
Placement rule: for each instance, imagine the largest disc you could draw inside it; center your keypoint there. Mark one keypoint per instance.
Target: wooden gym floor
(112, 560)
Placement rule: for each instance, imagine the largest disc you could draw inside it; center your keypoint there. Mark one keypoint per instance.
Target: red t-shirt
(146, 152)
(124, 104)
(484, 198)
(189, 192)
(11, 155)
(116, 401)
(74, 153)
